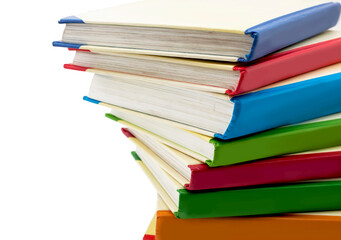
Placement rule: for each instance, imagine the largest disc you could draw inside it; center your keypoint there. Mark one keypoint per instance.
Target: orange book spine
(303, 227)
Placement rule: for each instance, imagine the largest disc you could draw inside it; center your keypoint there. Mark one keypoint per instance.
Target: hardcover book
(313, 135)
(194, 175)
(317, 195)
(291, 101)
(220, 77)
(303, 226)
(241, 30)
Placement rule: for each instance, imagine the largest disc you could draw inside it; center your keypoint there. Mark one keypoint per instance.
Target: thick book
(194, 175)
(220, 77)
(306, 136)
(303, 226)
(294, 100)
(242, 30)
(317, 195)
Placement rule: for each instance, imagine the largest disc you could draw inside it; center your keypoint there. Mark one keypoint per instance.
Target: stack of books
(234, 107)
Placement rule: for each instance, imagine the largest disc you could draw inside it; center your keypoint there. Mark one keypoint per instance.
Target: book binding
(291, 28)
(284, 105)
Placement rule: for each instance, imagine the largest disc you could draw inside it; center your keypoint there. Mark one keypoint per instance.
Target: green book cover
(278, 141)
(313, 135)
(303, 197)
(323, 195)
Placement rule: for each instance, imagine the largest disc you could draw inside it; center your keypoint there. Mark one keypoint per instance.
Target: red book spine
(276, 170)
(287, 64)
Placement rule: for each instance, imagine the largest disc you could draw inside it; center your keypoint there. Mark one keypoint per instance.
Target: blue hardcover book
(298, 99)
(223, 30)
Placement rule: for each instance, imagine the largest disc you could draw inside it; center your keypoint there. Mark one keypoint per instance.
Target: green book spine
(302, 197)
(284, 140)
(278, 141)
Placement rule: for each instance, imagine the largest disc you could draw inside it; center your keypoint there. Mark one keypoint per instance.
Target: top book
(223, 30)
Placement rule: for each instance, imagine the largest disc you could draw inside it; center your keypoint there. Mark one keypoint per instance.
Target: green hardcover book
(310, 196)
(316, 134)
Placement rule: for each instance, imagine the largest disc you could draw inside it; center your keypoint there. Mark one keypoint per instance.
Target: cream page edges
(220, 92)
(160, 204)
(164, 195)
(179, 57)
(151, 230)
(161, 163)
(109, 50)
(213, 15)
(325, 36)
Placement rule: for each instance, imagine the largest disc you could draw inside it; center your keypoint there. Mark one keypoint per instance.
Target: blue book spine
(283, 31)
(284, 105)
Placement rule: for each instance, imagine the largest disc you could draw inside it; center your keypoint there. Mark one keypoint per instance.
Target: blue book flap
(283, 31)
(285, 105)
(91, 100)
(66, 45)
(70, 19)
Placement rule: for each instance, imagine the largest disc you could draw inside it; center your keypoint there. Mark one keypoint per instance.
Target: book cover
(307, 136)
(288, 102)
(313, 196)
(320, 164)
(304, 226)
(286, 23)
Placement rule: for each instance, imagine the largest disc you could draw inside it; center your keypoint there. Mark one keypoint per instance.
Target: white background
(65, 170)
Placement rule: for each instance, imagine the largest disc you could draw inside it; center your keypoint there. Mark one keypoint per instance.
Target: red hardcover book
(321, 164)
(221, 77)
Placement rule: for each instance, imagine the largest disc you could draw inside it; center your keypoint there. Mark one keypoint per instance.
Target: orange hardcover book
(303, 226)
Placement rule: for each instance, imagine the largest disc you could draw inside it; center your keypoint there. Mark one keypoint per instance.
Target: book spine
(284, 105)
(277, 170)
(304, 197)
(302, 227)
(284, 65)
(304, 137)
(283, 31)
